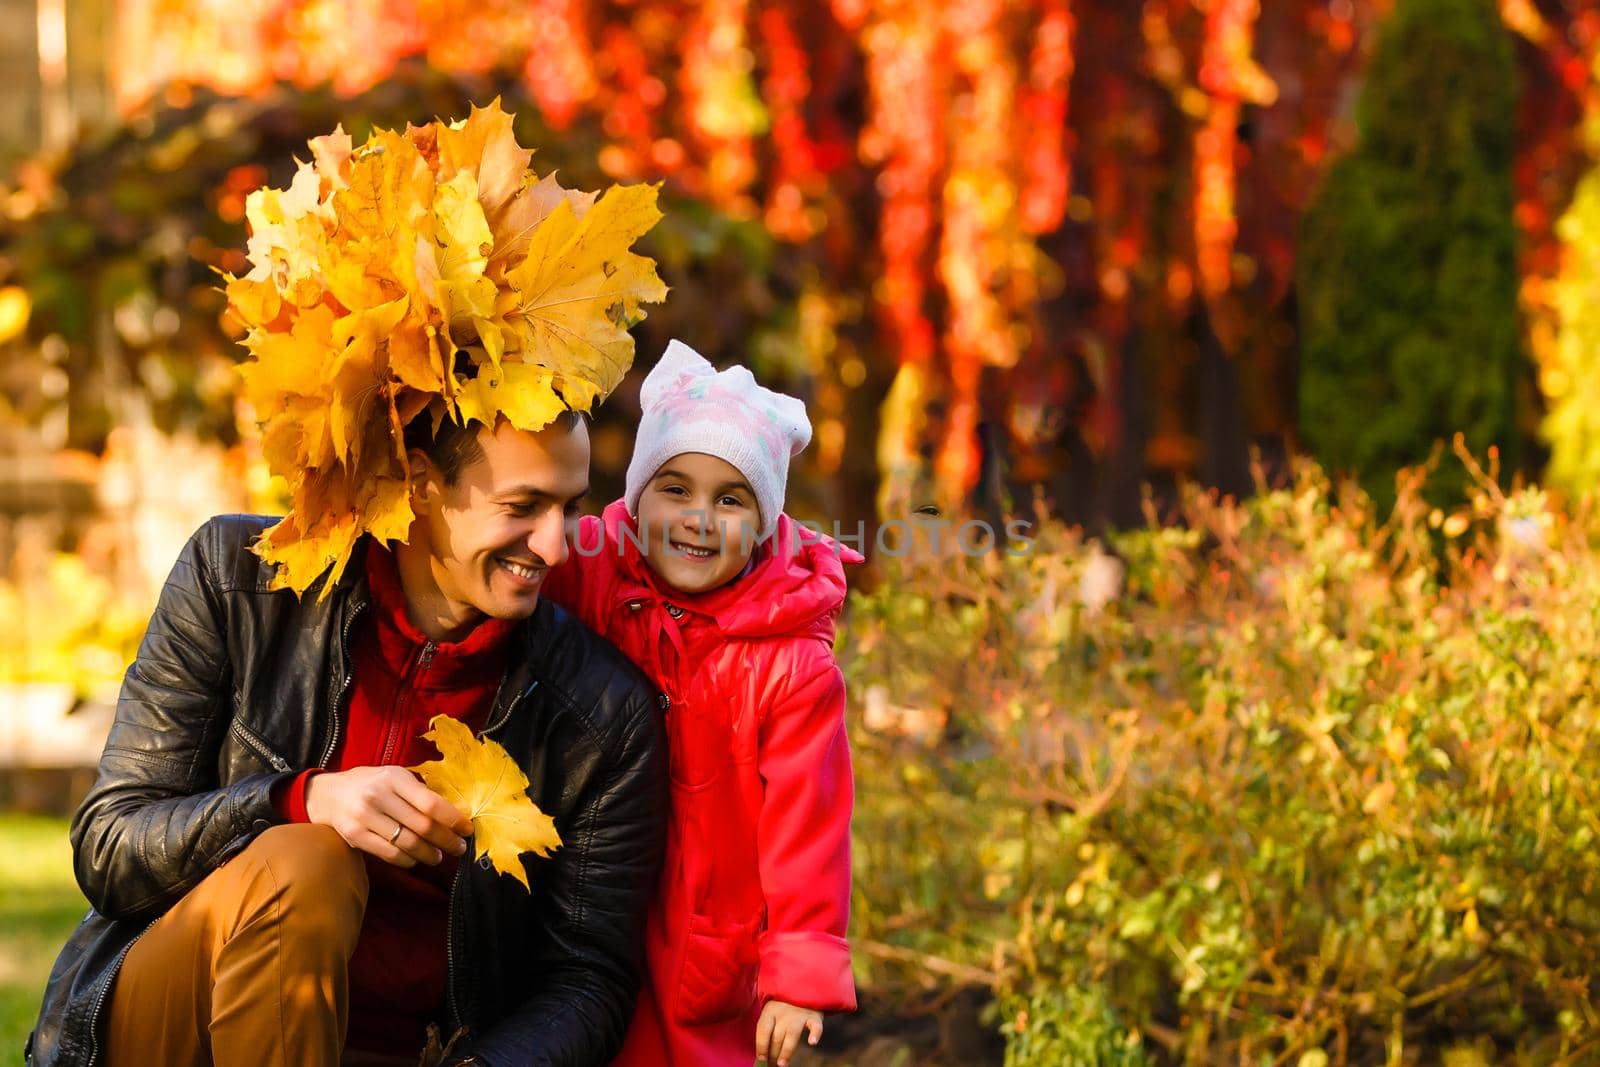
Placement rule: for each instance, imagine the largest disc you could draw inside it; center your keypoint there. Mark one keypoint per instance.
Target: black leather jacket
(236, 687)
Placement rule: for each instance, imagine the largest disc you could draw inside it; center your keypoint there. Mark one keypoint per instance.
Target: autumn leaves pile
(426, 274)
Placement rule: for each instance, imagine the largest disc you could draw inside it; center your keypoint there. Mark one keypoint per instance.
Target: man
(264, 873)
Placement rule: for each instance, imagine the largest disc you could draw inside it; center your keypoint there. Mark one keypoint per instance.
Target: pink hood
(796, 585)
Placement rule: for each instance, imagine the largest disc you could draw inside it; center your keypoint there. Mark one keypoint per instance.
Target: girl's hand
(779, 1029)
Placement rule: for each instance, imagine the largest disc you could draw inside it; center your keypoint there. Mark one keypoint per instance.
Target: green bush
(1312, 789)
(1407, 257)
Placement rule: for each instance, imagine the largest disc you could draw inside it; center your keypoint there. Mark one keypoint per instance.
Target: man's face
(493, 534)
(699, 520)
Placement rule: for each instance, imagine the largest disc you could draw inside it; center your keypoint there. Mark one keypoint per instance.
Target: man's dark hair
(454, 447)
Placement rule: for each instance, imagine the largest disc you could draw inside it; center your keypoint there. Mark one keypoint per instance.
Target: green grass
(39, 906)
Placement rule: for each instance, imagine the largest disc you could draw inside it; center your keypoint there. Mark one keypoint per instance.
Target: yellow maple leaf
(514, 224)
(286, 364)
(467, 296)
(580, 393)
(356, 277)
(359, 374)
(320, 545)
(524, 394)
(287, 234)
(414, 356)
(579, 289)
(254, 303)
(331, 155)
(464, 234)
(485, 784)
(387, 202)
(389, 508)
(484, 146)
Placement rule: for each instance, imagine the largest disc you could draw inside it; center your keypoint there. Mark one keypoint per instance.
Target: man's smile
(523, 572)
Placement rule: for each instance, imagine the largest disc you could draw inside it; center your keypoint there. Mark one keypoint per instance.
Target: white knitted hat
(690, 406)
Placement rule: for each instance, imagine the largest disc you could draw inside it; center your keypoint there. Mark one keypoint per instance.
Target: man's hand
(779, 1028)
(366, 805)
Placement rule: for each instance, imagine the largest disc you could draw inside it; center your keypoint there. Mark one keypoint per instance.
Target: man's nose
(548, 540)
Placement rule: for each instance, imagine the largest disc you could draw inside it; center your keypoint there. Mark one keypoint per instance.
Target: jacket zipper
(452, 1008)
(259, 747)
(498, 719)
(452, 927)
(105, 989)
(391, 733)
(344, 684)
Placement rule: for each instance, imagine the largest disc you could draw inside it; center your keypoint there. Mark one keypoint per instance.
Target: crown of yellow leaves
(428, 273)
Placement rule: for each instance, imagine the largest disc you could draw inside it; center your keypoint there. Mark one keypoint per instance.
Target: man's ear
(424, 481)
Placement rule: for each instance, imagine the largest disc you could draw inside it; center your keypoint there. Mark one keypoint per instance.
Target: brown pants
(250, 966)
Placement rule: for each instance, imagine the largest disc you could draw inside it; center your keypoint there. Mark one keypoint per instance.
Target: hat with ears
(690, 406)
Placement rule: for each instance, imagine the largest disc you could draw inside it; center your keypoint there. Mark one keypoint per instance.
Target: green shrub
(1312, 789)
(1407, 257)
(1069, 1025)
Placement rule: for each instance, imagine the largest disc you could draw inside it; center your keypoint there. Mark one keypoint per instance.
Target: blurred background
(1055, 258)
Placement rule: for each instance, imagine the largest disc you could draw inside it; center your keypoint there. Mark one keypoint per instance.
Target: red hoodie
(755, 895)
(399, 681)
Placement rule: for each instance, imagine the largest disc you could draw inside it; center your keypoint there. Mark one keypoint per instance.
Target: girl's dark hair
(454, 447)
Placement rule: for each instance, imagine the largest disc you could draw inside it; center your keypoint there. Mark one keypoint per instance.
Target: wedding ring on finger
(396, 835)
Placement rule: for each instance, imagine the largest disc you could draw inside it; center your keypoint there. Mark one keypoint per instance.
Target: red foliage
(1193, 131)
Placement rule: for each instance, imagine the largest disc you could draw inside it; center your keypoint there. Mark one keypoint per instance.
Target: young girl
(699, 578)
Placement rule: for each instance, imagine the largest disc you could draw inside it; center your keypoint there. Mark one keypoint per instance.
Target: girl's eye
(675, 490)
(731, 502)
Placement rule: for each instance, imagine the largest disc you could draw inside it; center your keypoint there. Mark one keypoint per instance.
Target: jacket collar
(400, 644)
(795, 582)
(352, 594)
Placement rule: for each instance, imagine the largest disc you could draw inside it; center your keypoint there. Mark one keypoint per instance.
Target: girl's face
(699, 521)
